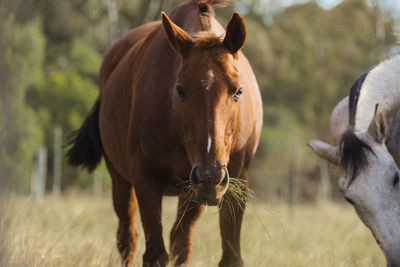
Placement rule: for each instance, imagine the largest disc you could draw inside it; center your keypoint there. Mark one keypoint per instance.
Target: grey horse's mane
(353, 151)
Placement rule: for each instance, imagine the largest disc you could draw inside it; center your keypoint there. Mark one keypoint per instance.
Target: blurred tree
(305, 62)
(305, 59)
(22, 54)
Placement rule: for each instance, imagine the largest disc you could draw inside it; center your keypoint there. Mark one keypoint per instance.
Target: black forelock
(353, 153)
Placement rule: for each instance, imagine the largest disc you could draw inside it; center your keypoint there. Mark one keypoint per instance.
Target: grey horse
(365, 127)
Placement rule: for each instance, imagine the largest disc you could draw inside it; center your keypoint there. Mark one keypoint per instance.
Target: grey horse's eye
(395, 179)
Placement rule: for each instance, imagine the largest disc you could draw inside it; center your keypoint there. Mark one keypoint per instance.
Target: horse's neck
(381, 86)
(393, 140)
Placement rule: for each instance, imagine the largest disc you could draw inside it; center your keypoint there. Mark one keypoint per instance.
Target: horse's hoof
(231, 263)
(151, 260)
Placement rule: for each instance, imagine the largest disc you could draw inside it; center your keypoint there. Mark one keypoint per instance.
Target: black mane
(353, 151)
(354, 95)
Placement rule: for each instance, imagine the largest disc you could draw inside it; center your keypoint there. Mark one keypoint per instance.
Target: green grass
(79, 230)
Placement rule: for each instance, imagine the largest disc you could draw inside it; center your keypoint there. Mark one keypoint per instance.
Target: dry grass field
(78, 230)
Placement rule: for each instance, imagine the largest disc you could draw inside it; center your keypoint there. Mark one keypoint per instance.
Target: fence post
(98, 182)
(57, 162)
(293, 173)
(40, 174)
(325, 180)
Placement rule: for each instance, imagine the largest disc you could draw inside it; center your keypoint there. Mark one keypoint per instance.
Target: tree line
(305, 59)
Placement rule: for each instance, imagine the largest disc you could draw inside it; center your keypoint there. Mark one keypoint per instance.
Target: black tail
(86, 149)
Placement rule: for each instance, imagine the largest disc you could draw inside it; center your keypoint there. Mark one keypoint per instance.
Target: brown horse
(179, 111)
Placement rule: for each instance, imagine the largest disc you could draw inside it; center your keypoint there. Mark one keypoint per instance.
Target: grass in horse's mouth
(237, 191)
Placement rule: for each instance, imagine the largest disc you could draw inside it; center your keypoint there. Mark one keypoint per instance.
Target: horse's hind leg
(125, 203)
(181, 233)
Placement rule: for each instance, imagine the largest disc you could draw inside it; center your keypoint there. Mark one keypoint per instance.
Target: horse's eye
(395, 179)
(181, 91)
(238, 93)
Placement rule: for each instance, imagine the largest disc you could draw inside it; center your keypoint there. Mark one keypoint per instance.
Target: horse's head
(369, 180)
(207, 102)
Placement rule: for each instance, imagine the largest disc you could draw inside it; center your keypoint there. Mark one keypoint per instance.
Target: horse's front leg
(181, 233)
(149, 191)
(230, 221)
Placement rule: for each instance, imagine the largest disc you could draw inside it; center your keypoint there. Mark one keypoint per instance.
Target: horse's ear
(179, 40)
(378, 126)
(235, 33)
(325, 151)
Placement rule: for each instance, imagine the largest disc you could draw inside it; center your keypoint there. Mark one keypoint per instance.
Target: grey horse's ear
(378, 126)
(325, 151)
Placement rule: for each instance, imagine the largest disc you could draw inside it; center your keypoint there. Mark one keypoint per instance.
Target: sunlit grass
(79, 230)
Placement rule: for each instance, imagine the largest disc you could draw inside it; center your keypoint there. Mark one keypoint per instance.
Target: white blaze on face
(207, 82)
(209, 144)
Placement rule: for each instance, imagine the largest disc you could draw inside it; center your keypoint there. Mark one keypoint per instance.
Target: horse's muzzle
(209, 184)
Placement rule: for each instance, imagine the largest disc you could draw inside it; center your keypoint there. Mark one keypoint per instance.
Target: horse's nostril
(225, 180)
(193, 176)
